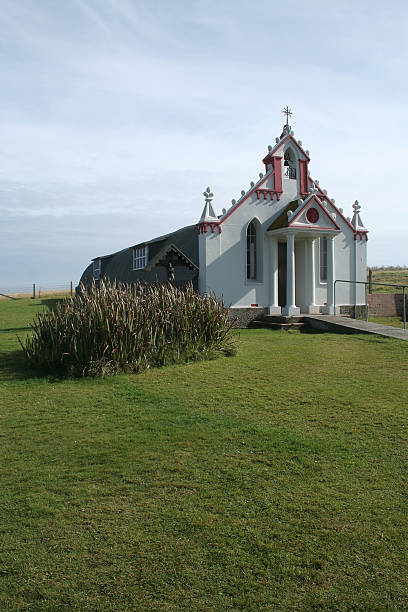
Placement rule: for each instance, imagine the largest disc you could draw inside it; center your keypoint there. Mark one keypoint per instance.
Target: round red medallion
(312, 215)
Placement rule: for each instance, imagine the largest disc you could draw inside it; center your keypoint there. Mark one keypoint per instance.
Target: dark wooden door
(282, 273)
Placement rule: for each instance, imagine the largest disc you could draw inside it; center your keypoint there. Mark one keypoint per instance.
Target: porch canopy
(304, 221)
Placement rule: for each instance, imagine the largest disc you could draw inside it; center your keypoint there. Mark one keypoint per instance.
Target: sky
(116, 114)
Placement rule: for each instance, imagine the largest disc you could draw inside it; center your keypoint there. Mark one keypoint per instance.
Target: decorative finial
(261, 175)
(269, 148)
(356, 207)
(286, 111)
(242, 192)
(208, 195)
(252, 184)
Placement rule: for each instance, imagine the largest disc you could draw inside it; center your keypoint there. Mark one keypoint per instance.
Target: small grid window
(323, 259)
(140, 257)
(97, 269)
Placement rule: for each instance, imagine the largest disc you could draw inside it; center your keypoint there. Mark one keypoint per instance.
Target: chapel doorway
(282, 249)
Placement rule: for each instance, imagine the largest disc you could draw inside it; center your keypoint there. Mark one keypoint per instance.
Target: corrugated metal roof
(119, 266)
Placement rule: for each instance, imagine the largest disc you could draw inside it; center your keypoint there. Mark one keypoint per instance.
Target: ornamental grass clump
(114, 328)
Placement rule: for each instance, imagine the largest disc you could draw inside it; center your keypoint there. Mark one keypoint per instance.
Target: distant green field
(389, 275)
(275, 480)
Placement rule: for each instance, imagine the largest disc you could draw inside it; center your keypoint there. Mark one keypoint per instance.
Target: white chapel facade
(283, 244)
(279, 248)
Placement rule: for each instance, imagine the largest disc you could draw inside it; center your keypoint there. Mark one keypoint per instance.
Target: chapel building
(279, 248)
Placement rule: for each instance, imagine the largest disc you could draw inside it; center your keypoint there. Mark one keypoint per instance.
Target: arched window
(289, 164)
(251, 252)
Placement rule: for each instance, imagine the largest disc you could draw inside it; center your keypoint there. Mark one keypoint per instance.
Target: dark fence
(35, 290)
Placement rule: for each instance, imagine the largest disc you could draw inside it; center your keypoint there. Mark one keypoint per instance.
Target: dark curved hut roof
(182, 245)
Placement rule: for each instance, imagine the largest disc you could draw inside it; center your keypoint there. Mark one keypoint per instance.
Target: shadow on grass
(311, 330)
(14, 366)
(308, 330)
(6, 330)
(338, 332)
(50, 303)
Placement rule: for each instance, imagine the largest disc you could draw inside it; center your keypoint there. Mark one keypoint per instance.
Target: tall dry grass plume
(113, 328)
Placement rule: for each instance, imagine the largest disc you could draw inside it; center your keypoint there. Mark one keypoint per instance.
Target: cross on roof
(286, 111)
(208, 195)
(356, 207)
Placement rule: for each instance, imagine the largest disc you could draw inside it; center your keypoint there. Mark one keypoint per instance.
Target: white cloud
(123, 109)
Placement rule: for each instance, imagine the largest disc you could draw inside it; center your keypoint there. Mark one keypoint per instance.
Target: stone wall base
(355, 312)
(242, 317)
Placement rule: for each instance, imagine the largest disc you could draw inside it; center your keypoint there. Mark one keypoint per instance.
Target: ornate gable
(309, 214)
(313, 214)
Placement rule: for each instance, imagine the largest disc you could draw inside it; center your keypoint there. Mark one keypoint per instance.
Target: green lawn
(393, 321)
(273, 480)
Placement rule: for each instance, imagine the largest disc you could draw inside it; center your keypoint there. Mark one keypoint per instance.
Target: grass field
(392, 321)
(390, 275)
(273, 480)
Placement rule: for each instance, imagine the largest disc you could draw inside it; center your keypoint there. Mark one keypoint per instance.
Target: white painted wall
(223, 255)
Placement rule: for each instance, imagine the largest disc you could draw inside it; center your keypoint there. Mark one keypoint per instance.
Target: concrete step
(277, 325)
(281, 318)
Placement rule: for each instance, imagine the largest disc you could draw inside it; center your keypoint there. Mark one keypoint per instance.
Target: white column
(273, 277)
(312, 308)
(329, 309)
(290, 308)
(354, 287)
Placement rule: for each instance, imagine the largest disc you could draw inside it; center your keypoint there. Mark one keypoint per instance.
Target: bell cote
(287, 161)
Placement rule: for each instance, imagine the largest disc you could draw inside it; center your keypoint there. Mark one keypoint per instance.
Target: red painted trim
(323, 227)
(276, 172)
(361, 235)
(303, 177)
(323, 196)
(254, 305)
(204, 225)
(268, 160)
(246, 196)
(277, 169)
(265, 192)
(278, 146)
(316, 201)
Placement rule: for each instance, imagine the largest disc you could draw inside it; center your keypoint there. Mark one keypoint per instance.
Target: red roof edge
(318, 202)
